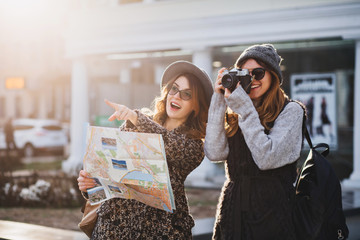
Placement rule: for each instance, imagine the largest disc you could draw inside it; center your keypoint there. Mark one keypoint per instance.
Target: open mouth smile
(175, 105)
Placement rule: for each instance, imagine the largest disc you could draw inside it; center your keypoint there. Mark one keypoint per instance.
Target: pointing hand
(122, 112)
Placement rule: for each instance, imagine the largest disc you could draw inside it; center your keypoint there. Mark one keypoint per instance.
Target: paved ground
(351, 205)
(24, 231)
(202, 230)
(353, 223)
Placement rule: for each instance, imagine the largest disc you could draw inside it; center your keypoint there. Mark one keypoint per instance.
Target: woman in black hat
(260, 138)
(180, 116)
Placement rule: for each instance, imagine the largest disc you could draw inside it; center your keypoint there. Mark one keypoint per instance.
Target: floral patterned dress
(129, 219)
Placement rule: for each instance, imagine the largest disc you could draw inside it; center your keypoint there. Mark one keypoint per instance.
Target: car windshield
(22, 127)
(52, 128)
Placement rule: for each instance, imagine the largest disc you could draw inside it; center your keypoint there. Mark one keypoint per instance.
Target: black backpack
(318, 212)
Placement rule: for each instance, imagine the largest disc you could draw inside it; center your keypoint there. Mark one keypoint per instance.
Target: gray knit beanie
(265, 53)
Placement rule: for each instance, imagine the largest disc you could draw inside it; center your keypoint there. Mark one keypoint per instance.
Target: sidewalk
(24, 231)
(351, 201)
(351, 206)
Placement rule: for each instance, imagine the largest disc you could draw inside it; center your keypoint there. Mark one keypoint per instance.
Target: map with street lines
(129, 165)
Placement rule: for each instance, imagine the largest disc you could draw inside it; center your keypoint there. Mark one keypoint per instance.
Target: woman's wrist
(133, 118)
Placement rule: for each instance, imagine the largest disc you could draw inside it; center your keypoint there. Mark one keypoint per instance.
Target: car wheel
(29, 150)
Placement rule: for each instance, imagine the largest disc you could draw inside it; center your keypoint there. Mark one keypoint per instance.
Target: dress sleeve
(128, 126)
(147, 125)
(282, 145)
(183, 153)
(216, 144)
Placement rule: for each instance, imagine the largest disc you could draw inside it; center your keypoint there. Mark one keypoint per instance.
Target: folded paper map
(128, 165)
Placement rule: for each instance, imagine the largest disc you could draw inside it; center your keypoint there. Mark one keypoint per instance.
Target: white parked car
(33, 135)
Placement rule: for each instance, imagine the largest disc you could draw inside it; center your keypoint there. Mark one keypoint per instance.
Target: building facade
(119, 49)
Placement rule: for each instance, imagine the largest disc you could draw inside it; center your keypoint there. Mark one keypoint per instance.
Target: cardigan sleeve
(282, 145)
(216, 144)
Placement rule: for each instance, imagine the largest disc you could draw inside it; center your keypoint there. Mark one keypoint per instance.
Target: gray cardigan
(279, 148)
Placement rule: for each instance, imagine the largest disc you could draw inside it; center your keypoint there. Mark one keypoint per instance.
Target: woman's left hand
(122, 112)
(85, 181)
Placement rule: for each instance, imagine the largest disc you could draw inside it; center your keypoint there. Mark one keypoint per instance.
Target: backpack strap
(307, 136)
(305, 133)
(320, 145)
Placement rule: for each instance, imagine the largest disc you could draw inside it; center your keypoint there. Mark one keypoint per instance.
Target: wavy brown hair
(196, 121)
(269, 107)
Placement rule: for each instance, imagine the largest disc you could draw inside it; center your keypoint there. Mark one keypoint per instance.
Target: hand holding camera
(231, 78)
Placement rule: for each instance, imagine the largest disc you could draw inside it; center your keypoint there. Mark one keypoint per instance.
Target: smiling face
(177, 108)
(259, 87)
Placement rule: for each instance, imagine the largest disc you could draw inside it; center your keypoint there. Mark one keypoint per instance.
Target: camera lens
(227, 81)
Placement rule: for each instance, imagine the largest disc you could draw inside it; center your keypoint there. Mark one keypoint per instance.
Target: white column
(207, 174)
(79, 116)
(354, 180)
(159, 70)
(59, 102)
(203, 59)
(125, 76)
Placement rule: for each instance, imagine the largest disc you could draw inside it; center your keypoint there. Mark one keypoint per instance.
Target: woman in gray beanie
(180, 117)
(259, 136)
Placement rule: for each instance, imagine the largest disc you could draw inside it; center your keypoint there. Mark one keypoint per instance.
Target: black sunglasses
(258, 73)
(184, 94)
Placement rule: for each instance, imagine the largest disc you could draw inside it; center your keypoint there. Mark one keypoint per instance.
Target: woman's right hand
(122, 112)
(84, 181)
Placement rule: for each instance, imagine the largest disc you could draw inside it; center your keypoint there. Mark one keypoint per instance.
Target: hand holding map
(128, 165)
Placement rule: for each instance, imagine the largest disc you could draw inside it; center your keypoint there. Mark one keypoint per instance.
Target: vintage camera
(231, 78)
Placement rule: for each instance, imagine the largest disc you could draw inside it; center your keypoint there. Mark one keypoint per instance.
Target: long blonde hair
(196, 122)
(269, 107)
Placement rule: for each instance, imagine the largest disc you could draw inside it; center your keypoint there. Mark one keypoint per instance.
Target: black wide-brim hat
(178, 68)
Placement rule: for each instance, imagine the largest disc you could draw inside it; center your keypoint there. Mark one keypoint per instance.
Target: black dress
(254, 204)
